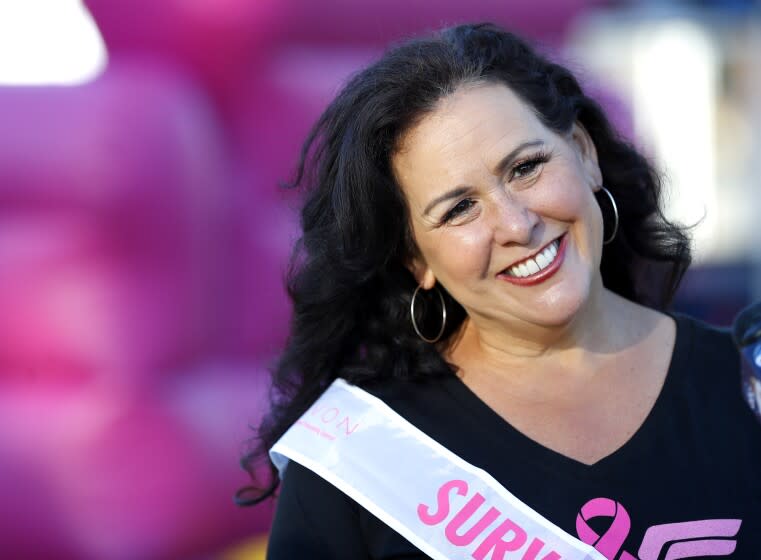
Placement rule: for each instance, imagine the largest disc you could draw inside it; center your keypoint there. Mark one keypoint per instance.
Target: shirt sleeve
(314, 520)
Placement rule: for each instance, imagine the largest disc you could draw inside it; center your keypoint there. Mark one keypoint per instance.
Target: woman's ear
(423, 275)
(587, 152)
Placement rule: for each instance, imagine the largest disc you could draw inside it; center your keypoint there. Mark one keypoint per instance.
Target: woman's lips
(543, 274)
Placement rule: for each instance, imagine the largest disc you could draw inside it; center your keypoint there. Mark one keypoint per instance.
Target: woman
(486, 257)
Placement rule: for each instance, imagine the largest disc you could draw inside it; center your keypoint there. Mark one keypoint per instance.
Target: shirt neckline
(507, 437)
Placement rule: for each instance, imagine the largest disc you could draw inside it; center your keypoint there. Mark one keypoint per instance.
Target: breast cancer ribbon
(609, 543)
(689, 539)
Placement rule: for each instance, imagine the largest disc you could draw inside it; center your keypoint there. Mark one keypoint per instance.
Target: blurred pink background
(143, 243)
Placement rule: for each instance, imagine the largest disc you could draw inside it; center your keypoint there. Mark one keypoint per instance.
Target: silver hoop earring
(443, 316)
(615, 213)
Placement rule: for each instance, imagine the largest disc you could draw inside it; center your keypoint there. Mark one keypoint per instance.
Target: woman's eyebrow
(503, 164)
(454, 193)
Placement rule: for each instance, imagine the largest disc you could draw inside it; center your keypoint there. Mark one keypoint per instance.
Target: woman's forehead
(474, 126)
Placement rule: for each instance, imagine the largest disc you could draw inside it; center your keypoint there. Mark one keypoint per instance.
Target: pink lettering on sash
(535, 548)
(347, 429)
(466, 513)
(610, 542)
(329, 415)
(308, 426)
(507, 536)
(495, 541)
(442, 499)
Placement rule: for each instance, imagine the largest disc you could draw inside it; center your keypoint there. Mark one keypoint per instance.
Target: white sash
(443, 505)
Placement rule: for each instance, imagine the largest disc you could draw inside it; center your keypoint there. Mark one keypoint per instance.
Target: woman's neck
(599, 332)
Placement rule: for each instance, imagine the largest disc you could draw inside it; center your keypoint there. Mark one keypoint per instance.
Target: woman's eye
(458, 209)
(528, 167)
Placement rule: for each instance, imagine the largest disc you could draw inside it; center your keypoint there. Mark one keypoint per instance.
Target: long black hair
(348, 281)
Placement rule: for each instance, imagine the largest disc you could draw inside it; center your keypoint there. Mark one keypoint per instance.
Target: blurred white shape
(675, 86)
(48, 42)
(668, 65)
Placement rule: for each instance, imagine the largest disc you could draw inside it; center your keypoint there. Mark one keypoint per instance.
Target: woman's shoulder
(706, 366)
(419, 401)
(310, 512)
(395, 390)
(704, 342)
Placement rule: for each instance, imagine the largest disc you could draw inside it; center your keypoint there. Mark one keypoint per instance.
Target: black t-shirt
(686, 479)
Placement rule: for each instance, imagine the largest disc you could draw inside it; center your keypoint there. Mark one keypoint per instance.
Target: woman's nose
(512, 221)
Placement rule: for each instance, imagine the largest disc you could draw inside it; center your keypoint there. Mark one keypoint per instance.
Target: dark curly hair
(348, 281)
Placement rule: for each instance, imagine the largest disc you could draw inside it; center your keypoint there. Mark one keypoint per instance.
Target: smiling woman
(481, 239)
(480, 361)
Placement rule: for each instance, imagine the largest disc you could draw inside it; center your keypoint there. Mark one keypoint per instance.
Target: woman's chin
(558, 310)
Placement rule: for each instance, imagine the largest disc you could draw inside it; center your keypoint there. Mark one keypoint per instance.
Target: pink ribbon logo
(610, 542)
(708, 537)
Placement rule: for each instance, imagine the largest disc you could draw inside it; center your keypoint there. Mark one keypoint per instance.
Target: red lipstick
(542, 275)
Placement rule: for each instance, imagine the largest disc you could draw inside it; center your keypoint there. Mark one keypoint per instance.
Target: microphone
(746, 331)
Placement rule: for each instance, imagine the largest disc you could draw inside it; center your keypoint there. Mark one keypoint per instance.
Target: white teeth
(534, 265)
(542, 261)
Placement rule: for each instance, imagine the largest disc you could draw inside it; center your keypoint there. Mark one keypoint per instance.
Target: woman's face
(502, 208)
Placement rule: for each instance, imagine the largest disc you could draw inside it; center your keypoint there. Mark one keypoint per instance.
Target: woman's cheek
(465, 253)
(560, 199)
